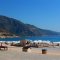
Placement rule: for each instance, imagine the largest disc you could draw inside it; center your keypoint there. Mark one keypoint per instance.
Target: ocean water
(47, 38)
(43, 38)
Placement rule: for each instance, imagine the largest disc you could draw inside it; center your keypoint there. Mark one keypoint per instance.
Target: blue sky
(44, 14)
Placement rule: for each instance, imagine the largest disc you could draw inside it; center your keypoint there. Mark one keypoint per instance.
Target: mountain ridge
(16, 27)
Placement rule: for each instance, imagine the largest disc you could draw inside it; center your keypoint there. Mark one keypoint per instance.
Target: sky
(44, 14)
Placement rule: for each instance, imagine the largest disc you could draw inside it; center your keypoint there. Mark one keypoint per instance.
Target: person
(1, 44)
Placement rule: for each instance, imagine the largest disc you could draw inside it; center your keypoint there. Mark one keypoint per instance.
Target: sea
(35, 38)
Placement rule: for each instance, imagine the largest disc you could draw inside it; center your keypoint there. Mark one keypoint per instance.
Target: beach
(16, 53)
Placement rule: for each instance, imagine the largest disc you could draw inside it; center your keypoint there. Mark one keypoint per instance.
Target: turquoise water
(44, 38)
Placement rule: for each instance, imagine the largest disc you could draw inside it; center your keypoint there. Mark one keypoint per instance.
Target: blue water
(44, 38)
(47, 38)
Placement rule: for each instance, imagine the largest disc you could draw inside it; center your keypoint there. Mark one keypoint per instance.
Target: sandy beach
(15, 53)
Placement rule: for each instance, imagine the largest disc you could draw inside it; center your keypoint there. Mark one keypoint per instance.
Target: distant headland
(13, 27)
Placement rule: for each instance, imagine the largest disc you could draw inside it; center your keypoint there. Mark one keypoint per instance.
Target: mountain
(42, 32)
(16, 27)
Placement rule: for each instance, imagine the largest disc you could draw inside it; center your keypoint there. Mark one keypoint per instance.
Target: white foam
(40, 41)
(10, 41)
(57, 42)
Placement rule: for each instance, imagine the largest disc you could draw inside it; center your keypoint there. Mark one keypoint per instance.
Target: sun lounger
(4, 47)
